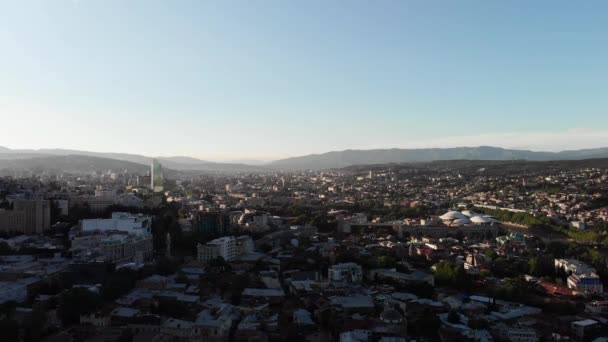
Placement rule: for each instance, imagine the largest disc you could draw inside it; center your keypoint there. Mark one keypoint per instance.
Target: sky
(238, 80)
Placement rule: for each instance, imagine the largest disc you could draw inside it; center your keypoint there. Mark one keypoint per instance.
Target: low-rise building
(345, 274)
(584, 329)
(123, 222)
(214, 324)
(122, 238)
(403, 278)
(583, 278)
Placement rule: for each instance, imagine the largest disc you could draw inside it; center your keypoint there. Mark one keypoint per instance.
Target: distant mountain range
(74, 160)
(176, 163)
(71, 164)
(346, 158)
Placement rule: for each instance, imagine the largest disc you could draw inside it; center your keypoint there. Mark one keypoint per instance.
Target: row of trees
(529, 220)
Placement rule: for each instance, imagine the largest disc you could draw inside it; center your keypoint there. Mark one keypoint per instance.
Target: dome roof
(452, 215)
(460, 222)
(480, 219)
(492, 218)
(470, 213)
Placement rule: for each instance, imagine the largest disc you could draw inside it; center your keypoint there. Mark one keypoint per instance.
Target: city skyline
(320, 171)
(223, 83)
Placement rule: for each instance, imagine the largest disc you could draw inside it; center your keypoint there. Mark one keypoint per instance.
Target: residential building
(586, 282)
(215, 223)
(583, 278)
(597, 307)
(584, 329)
(116, 247)
(244, 245)
(520, 335)
(122, 238)
(214, 324)
(223, 247)
(345, 274)
(124, 222)
(27, 216)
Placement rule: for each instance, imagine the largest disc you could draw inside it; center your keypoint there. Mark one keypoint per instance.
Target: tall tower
(156, 176)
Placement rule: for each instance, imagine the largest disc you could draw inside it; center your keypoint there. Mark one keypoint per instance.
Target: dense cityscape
(303, 171)
(452, 251)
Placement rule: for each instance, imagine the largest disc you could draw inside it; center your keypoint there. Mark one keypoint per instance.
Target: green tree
(451, 274)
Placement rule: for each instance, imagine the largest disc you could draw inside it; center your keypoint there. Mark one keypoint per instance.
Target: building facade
(344, 274)
(224, 247)
(582, 278)
(156, 176)
(27, 216)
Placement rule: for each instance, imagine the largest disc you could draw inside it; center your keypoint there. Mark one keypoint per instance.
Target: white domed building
(470, 213)
(480, 220)
(492, 219)
(461, 222)
(452, 215)
(467, 217)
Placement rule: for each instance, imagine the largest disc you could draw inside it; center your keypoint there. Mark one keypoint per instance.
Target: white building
(573, 266)
(583, 278)
(124, 222)
(123, 238)
(224, 247)
(586, 282)
(346, 273)
(580, 225)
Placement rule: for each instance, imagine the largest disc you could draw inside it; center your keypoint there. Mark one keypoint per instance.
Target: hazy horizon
(253, 161)
(233, 81)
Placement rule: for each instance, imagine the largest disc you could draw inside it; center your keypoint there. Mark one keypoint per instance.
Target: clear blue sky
(226, 80)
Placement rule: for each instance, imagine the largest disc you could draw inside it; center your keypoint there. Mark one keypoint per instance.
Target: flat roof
(263, 292)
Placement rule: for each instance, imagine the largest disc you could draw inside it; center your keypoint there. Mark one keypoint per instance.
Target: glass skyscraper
(156, 176)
